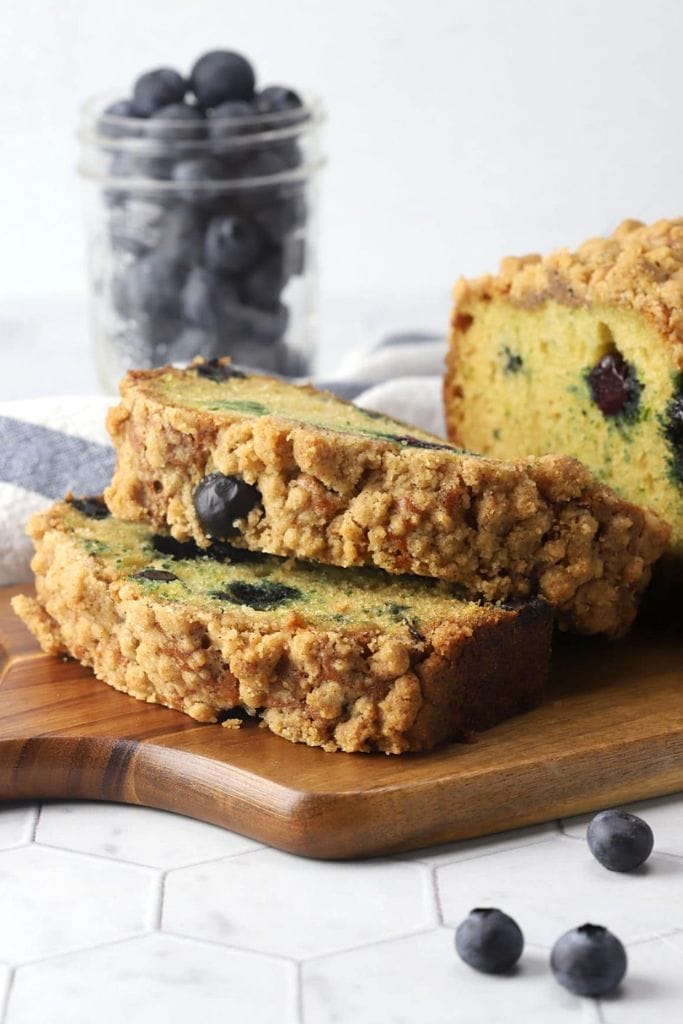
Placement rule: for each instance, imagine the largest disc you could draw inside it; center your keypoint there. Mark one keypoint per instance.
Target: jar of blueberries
(200, 201)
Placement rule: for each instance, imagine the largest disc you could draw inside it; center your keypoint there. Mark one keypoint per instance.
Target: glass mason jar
(201, 238)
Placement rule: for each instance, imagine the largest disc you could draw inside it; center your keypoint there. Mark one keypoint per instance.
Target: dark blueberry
(262, 287)
(156, 575)
(109, 123)
(512, 363)
(93, 508)
(157, 89)
(176, 121)
(279, 217)
(673, 432)
(218, 371)
(239, 714)
(614, 386)
(588, 960)
(489, 941)
(295, 255)
(222, 75)
(219, 500)
(150, 287)
(619, 840)
(221, 551)
(227, 119)
(277, 99)
(182, 549)
(138, 165)
(261, 596)
(183, 234)
(231, 245)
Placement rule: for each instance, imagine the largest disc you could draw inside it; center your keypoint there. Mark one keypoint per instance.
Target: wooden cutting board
(610, 732)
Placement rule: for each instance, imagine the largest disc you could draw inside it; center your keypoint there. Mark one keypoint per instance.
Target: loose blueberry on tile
(217, 371)
(588, 960)
(157, 89)
(673, 431)
(619, 841)
(614, 386)
(222, 75)
(219, 500)
(260, 596)
(277, 99)
(489, 941)
(93, 508)
(155, 575)
(232, 244)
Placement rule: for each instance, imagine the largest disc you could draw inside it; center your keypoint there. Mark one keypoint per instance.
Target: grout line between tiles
(479, 856)
(214, 943)
(299, 994)
(5, 1002)
(98, 856)
(35, 823)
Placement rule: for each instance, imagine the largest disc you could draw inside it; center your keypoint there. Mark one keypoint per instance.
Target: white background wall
(458, 131)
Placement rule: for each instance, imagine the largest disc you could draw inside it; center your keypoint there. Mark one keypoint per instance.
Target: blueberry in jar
(614, 386)
(219, 500)
(489, 940)
(281, 215)
(109, 124)
(266, 325)
(150, 286)
(263, 285)
(277, 99)
(194, 175)
(197, 301)
(228, 119)
(618, 840)
(136, 225)
(231, 245)
(588, 960)
(222, 75)
(157, 89)
(176, 121)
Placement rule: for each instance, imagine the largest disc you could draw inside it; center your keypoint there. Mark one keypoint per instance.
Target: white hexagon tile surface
(124, 914)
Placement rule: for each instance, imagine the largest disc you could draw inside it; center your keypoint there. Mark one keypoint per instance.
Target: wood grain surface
(610, 731)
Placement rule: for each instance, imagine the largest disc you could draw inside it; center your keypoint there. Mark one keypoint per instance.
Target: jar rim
(280, 127)
(292, 126)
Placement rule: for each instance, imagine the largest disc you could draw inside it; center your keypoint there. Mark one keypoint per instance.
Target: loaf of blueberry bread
(580, 353)
(354, 659)
(208, 453)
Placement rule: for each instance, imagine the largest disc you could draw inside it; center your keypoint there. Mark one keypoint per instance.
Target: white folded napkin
(49, 446)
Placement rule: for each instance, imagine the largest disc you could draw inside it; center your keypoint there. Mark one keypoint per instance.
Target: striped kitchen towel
(49, 446)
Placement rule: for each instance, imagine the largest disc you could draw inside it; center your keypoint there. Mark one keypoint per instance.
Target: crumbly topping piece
(638, 267)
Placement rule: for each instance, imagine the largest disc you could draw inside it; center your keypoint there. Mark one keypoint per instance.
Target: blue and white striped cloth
(49, 446)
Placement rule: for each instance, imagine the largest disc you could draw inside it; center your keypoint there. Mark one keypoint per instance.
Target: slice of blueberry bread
(352, 660)
(209, 453)
(580, 353)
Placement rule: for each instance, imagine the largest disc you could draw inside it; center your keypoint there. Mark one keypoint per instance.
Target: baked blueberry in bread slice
(352, 660)
(581, 353)
(208, 453)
